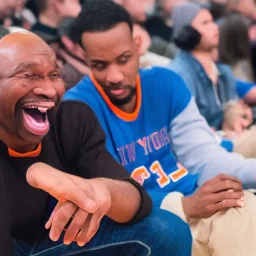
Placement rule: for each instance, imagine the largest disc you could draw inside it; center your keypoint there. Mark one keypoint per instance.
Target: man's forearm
(196, 148)
(125, 200)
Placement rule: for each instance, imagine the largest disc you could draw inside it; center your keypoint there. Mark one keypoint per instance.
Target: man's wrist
(187, 206)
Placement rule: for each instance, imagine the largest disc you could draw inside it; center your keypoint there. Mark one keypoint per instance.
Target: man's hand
(61, 186)
(222, 192)
(83, 226)
(86, 201)
(72, 192)
(238, 116)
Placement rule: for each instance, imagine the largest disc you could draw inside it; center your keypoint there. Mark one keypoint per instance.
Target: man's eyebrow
(24, 66)
(103, 61)
(98, 61)
(121, 55)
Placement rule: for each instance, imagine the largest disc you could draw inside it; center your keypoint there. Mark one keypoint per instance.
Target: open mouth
(117, 92)
(36, 117)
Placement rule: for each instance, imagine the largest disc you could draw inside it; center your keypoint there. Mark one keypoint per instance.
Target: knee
(172, 233)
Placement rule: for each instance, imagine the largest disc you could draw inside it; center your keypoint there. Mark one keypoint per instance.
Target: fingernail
(242, 198)
(81, 244)
(241, 203)
(53, 236)
(67, 242)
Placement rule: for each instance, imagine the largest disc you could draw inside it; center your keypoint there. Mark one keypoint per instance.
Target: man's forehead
(115, 39)
(23, 42)
(27, 48)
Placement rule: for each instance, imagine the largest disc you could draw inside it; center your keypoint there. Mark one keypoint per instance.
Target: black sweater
(75, 144)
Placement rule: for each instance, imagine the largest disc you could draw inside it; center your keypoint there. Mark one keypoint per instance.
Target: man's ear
(138, 42)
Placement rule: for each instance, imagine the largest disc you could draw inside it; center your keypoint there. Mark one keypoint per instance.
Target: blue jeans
(162, 233)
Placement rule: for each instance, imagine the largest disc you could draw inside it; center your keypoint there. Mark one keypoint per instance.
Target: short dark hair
(98, 16)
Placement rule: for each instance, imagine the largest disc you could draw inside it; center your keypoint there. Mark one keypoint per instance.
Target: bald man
(54, 166)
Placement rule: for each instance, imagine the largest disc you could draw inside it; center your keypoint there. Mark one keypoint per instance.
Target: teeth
(41, 106)
(42, 110)
(31, 107)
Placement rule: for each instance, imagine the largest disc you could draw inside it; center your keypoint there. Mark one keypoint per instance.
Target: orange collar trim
(121, 114)
(34, 153)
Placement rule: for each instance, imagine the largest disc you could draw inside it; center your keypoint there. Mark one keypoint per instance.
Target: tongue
(35, 116)
(36, 121)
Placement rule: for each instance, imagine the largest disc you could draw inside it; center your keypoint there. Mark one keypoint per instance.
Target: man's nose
(114, 75)
(45, 89)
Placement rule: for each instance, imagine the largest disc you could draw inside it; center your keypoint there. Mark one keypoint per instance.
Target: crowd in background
(153, 24)
(162, 27)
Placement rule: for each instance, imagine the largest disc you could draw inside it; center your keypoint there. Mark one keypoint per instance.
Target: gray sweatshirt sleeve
(196, 148)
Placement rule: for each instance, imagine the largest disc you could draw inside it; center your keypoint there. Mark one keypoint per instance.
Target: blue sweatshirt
(165, 131)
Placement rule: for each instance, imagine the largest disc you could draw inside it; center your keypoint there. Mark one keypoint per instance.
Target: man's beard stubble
(124, 101)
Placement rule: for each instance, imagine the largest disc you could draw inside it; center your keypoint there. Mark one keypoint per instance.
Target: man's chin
(31, 138)
(123, 100)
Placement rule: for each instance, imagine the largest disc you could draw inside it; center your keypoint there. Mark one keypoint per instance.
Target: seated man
(51, 13)
(90, 185)
(212, 85)
(151, 123)
(72, 56)
(7, 9)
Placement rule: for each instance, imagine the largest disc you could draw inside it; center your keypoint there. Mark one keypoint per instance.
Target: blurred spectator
(51, 13)
(23, 17)
(160, 24)
(244, 7)
(218, 9)
(74, 65)
(213, 86)
(137, 9)
(7, 8)
(235, 46)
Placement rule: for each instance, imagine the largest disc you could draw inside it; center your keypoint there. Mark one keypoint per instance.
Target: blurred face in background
(67, 8)
(138, 9)
(7, 8)
(245, 7)
(209, 31)
(168, 5)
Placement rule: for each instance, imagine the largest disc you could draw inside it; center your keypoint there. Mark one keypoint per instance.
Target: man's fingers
(227, 195)
(88, 232)
(228, 177)
(225, 185)
(231, 203)
(82, 235)
(59, 185)
(94, 226)
(79, 219)
(49, 222)
(60, 220)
